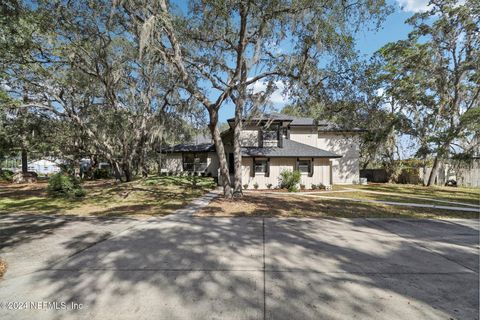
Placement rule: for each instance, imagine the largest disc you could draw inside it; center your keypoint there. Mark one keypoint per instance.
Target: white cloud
(419, 5)
(277, 97)
(414, 5)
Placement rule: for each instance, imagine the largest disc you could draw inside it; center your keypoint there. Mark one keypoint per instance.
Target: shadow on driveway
(253, 268)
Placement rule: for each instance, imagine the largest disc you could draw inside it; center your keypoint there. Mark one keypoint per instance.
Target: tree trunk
(24, 161)
(127, 172)
(116, 170)
(434, 172)
(222, 159)
(237, 152)
(143, 162)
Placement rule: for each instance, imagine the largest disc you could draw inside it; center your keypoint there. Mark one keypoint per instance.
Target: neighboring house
(44, 166)
(323, 152)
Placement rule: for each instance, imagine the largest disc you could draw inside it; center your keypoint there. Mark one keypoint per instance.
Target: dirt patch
(23, 190)
(257, 204)
(3, 268)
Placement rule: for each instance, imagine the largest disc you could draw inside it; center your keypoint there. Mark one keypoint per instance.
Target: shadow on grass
(265, 205)
(106, 197)
(467, 195)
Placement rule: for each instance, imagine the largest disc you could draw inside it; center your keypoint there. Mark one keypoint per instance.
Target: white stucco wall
(321, 172)
(345, 170)
(172, 162)
(304, 135)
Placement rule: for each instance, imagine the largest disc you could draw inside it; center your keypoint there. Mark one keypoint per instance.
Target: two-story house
(322, 152)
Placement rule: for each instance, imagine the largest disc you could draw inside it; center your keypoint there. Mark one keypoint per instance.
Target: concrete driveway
(183, 267)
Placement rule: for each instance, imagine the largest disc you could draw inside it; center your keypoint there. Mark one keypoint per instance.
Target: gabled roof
(266, 116)
(322, 125)
(202, 147)
(290, 149)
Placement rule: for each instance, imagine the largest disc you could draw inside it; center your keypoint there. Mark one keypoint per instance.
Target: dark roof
(267, 116)
(202, 147)
(290, 149)
(322, 125)
(303, 122)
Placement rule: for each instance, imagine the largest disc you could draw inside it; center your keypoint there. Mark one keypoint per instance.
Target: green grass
(392, 198)
(152, 196)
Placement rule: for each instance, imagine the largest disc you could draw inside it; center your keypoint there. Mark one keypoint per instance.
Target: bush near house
(62, 185)
(289, 180)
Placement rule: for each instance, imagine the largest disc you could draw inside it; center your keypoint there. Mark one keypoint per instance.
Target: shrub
(245, 186)
(302, 187)
(61, 185)
(289, 180)
(101, 174)
(314, 186)
(255, 185)
(6, 175)
(293, 189)
(269, 185)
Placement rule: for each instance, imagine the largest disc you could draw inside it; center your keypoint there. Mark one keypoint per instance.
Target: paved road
(183, 267)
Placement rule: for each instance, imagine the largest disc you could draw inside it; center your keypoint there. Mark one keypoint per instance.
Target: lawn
(405, 193)
(263, 204)
(152, 196)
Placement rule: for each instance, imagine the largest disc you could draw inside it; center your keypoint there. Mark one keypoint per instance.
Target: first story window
(305, 166)
(194, 162)
(261, 166)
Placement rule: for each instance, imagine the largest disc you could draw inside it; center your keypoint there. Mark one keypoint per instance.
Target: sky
(367, 42)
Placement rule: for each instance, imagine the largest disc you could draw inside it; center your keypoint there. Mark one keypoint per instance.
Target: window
(195, 162)
(270, 133)
(261, 166)
(304, 166)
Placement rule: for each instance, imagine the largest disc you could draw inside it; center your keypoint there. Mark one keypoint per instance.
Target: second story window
(270, 134)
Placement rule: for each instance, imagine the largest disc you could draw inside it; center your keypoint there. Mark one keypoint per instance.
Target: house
(323, 152)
